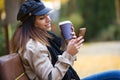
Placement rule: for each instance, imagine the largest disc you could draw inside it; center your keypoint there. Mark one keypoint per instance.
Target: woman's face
(43, 22)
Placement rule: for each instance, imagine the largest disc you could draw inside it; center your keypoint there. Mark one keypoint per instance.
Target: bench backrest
(11, 68)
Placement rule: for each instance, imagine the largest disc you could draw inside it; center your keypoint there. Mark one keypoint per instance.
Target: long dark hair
(26, 31)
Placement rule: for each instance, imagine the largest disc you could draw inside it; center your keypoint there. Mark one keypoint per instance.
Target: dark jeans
(107, 75)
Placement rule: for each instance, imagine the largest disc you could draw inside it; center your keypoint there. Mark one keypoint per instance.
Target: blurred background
(101, 49)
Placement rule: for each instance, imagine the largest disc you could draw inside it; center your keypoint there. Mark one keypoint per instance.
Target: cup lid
(64, 22)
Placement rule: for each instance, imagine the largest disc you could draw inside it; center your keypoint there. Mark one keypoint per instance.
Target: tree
(97, 15)
(11, 9)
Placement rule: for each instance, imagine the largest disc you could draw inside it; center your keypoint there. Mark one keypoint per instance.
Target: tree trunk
(117, 6)
(11, 9)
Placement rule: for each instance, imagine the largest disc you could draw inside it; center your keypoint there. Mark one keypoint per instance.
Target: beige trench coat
(37, 62)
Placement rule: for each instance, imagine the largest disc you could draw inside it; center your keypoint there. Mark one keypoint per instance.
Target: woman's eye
(41, 18)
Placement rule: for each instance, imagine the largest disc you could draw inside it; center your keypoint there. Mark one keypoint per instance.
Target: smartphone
(82, 32)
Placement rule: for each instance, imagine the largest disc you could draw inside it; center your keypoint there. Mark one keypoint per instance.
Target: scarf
(54, 50)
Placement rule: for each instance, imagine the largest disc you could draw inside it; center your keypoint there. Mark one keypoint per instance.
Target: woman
(40, 49)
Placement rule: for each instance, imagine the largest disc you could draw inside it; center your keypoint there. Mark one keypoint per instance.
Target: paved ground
(101, 48)
(97, 57)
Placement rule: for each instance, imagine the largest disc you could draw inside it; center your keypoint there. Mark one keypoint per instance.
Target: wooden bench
(11, 68)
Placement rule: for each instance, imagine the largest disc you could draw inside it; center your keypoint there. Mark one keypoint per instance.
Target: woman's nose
(48, 18)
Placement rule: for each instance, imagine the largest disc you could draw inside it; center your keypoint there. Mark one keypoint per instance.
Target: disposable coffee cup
(66, 29)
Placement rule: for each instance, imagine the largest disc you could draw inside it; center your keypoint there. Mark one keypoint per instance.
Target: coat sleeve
(39, 60)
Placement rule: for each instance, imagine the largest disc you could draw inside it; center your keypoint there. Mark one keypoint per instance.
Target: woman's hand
(73, 33)
(74, 45)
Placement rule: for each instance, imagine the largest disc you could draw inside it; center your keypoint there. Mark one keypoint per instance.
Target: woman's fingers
(73, 35)
(73, 29)
(78, 39)
(78, 47)
(74, 45)
(79, 44)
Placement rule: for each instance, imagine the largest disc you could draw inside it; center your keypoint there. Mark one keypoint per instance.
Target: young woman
(40, 49)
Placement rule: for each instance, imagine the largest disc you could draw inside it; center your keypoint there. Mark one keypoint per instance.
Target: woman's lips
(48, 25)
